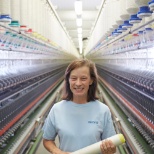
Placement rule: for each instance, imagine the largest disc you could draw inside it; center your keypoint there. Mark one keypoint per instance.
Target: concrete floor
(41, 149)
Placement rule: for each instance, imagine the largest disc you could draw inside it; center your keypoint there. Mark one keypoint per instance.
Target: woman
(79, 119)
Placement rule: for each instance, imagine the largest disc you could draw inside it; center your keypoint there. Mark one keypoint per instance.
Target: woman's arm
(51, 147)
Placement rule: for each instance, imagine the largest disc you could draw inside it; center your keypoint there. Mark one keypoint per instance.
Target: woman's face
(79, 82)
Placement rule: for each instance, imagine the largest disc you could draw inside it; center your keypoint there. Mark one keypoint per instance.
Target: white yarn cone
(29, 15)
(147, 19)
(116, 5)
(131, 7)
(124, 14)
(5, 10)
(15, 14)
(142, 2)
(5, 7)
(23, 14)
(15, 9)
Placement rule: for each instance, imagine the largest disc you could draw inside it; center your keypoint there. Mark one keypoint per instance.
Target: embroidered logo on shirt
(93, 122)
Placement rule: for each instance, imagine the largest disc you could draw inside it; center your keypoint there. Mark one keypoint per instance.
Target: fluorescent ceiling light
(79, 22)
(80, 47)
(80, 51)
(79, 30)
(78, 7)
(80, 43)
(80, 39)
(79, 35)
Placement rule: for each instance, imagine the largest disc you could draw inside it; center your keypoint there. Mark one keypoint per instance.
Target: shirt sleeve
(108, 130)
(49, 130)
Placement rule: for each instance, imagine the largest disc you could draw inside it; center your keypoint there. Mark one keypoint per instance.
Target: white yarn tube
(29, 13)
(5, 11)
(147, 19)
(5, 7)
(15, 9)
(95, 148)
(37, 15)
(23, 12)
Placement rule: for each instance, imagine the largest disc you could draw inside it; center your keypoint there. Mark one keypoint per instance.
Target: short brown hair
(68, 95)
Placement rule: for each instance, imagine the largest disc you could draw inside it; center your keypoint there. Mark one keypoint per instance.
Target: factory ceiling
(66, 12)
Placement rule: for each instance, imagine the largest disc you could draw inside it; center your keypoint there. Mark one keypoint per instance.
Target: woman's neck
(79, 100)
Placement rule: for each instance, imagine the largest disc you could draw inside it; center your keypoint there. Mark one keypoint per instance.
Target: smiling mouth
(78, 89)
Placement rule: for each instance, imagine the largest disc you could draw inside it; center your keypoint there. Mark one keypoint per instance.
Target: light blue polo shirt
(78, 125)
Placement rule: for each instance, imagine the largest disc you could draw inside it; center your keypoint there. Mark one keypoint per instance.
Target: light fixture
(79, 21)
(79, 35)
(78, 7)
(80, 47)
(80, 39)
(78, 11)
(80, 50)
(79, 30)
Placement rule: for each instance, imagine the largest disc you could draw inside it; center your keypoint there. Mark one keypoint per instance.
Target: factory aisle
(42, 150)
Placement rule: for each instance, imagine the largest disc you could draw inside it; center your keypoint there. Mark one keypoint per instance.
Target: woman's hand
(107, 147)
